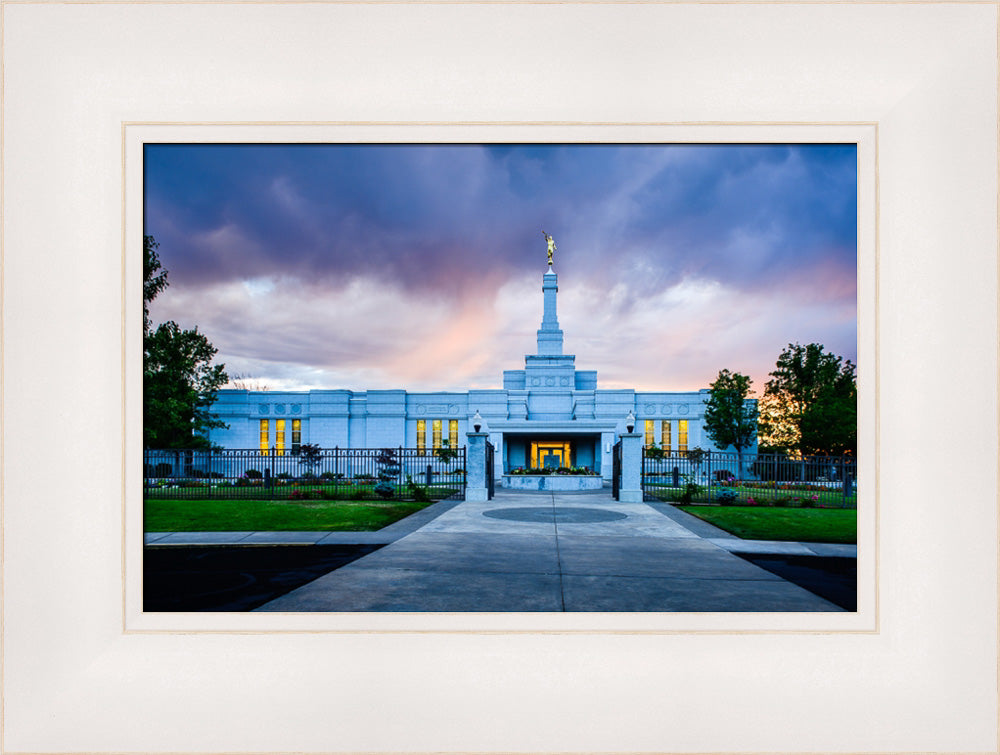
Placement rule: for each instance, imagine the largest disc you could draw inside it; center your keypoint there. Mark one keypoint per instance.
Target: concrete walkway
(545, 552)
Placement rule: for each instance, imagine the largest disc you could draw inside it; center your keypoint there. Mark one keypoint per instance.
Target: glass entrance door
(550, 454)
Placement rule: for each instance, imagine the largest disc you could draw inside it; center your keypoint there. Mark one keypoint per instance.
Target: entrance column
(631, 489)
(475, 467)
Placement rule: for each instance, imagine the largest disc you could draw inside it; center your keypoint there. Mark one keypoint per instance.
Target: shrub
(727, 497)
(253, 474)
(283, 476)
(385, 490)
(163, 469)
(358, 494)
(419, 492)
(330, 476)
(690, 491)
(307, 476)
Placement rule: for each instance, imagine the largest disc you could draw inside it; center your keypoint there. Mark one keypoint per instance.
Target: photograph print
(545, 377)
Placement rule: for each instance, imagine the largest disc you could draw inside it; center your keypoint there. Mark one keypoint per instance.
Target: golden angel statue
(551, 244)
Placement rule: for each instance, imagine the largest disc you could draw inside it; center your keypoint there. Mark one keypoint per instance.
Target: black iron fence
(490, 467)
(719, 477)
(616, 471)
(332, 473)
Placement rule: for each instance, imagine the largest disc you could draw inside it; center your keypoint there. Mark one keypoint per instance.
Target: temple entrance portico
(542, 445)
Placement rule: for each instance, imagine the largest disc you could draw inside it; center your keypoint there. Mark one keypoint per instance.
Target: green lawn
(769, 523)
(253, 515)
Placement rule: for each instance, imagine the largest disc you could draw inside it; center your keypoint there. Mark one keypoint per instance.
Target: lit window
(436, 433)
(650, 440)
(665, 439)
(682, 436)
(421, 435)
(296, 435)
(263, 437)
(453, 433)
(279, 437)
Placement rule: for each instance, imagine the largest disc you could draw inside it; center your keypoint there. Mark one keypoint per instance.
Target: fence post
(846, 486)
(632, 462)
(710, 477)
(475, 471)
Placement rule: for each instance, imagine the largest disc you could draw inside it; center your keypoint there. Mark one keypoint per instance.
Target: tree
(154, 278)
(310, 455)
(243, 382)
(776, 433)
(445, 452)
(813, 401)
(730, 418)
(179, 381)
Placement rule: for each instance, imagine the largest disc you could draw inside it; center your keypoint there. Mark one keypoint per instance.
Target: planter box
(563, 482)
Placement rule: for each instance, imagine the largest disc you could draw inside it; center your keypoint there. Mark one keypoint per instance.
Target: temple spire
(550, 337)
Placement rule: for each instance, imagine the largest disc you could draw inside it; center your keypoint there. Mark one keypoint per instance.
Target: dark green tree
(154, 278)
(814, 393)
(310, 455)
(730, 416)
(446, 453)
(179, 380)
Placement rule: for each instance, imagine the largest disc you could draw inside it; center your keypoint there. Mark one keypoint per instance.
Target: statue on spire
(551, 246)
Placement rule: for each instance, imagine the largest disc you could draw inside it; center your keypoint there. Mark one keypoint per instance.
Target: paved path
(549, 552)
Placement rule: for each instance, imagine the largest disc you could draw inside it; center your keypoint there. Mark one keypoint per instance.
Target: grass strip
(278, 516)
(767, 523)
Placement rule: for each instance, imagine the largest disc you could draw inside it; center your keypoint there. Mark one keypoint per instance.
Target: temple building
(547, 413)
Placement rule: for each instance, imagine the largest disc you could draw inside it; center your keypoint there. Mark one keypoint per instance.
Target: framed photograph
(494, 277)
(89, 86)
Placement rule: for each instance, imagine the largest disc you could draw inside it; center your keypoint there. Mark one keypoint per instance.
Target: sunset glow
(419, 266)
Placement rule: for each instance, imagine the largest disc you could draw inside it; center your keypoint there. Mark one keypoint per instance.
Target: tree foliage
(179, 380)
(310, 454)
(812, 402)
(730, 419)
(154, 278)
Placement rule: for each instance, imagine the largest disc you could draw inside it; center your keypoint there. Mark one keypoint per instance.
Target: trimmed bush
(727, 497)
(690, 491)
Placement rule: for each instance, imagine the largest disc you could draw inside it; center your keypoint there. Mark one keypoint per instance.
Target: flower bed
(535, 472)
(557, 482)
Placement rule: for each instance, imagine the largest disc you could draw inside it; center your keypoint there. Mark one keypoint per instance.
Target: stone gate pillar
(475, 467)
(631, 488)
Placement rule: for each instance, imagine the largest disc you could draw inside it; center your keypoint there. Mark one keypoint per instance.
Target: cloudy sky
(419, 266)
